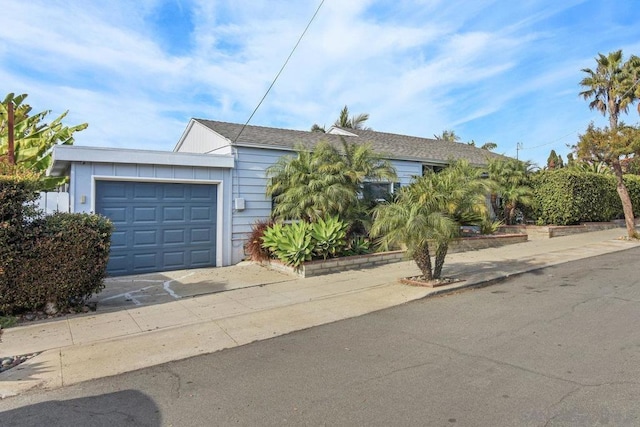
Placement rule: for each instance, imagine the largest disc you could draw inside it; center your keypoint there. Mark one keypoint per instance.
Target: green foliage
(509, 184)
(8, 321)
(569, 196)
(58, 259)
(430, 211)
(35, 136)
(325, 181)
(358, 245)
(62, 260)
(291, 243)
(488, 226)
(633, 186)
(328, 236)
(296, 243)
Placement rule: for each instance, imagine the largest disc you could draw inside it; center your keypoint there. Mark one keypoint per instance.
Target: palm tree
(447, 135)
(351, 122)
(508, 181)
(612, 87)
(324, 181)
(430, 212)
(308, 186)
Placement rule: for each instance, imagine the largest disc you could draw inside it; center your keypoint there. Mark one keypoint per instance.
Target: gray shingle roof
(392, 146)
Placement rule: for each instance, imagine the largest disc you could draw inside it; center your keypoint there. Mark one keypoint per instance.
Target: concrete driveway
(157, 288)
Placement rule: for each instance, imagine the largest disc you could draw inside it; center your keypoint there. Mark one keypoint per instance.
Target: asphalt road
(560, 346)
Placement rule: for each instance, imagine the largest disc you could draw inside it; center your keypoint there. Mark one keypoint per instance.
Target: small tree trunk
(627, 208)
(422, 257)
(441, 253)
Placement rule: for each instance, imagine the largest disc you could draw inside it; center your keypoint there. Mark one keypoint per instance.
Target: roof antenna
(279, 72)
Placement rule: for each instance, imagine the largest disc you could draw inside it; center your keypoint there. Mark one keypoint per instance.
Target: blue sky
(503, 71)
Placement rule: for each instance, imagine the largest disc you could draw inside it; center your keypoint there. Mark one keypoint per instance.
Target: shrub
(569, 196)
(62, 261)
(254, 247)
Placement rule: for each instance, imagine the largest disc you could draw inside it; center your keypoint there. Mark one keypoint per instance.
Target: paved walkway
(84, 347)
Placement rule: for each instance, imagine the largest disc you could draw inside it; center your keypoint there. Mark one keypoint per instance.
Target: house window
(433, 168)
(378, 191)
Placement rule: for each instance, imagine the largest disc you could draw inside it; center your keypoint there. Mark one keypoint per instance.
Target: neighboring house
(194, 207)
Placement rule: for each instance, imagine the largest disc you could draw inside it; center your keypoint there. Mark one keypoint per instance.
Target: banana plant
(34, 139)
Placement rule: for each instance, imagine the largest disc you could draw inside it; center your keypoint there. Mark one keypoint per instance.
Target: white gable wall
(200, 139)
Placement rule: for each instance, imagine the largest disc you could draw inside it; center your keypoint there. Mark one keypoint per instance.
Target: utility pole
(10, 144)
(518, 148)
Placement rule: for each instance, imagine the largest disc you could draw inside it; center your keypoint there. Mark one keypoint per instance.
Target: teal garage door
(158, 226)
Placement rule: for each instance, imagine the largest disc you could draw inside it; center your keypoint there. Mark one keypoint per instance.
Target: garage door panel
(174, 259)
(173, 213)
(119, 239)
(116, 191)
(201, 213)
(145, 261)
(159, 226)
(145, 237)
(201, 258)
(143, 191)
(173, 237)
(145, 214)
(175, 192)
(117, 215)
(201, 193)
(201, 235)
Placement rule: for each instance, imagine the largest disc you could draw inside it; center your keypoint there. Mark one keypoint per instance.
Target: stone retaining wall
(336, 265)
(550, 231)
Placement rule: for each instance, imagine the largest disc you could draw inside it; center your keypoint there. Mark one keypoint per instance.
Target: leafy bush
(290, 243)
(328, 236)
(62, 261)
(568, 196)
(632, 182)
(254, 247)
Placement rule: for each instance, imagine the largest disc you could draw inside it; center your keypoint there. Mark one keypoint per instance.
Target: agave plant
(329, 236)
(291, 243)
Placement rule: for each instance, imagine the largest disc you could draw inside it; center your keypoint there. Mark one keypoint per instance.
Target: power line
(280, 72)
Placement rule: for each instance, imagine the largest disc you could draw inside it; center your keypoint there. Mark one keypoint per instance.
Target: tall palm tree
(612, 87)
(430, 212)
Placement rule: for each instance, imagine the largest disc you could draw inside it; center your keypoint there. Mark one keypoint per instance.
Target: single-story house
(195, 206)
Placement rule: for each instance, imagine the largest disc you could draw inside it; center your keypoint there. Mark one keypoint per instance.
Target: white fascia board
(64, 155)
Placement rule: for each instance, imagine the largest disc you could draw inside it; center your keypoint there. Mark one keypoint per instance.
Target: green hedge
(569, 196)
(59, 259)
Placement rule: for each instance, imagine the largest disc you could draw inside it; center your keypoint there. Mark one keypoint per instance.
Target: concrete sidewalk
(83, 347)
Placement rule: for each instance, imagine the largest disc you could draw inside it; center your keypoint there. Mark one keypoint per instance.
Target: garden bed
(336, 265)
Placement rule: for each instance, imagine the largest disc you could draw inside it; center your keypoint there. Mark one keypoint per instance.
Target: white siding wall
(406, 170)
(82, 177)
(201, 139)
